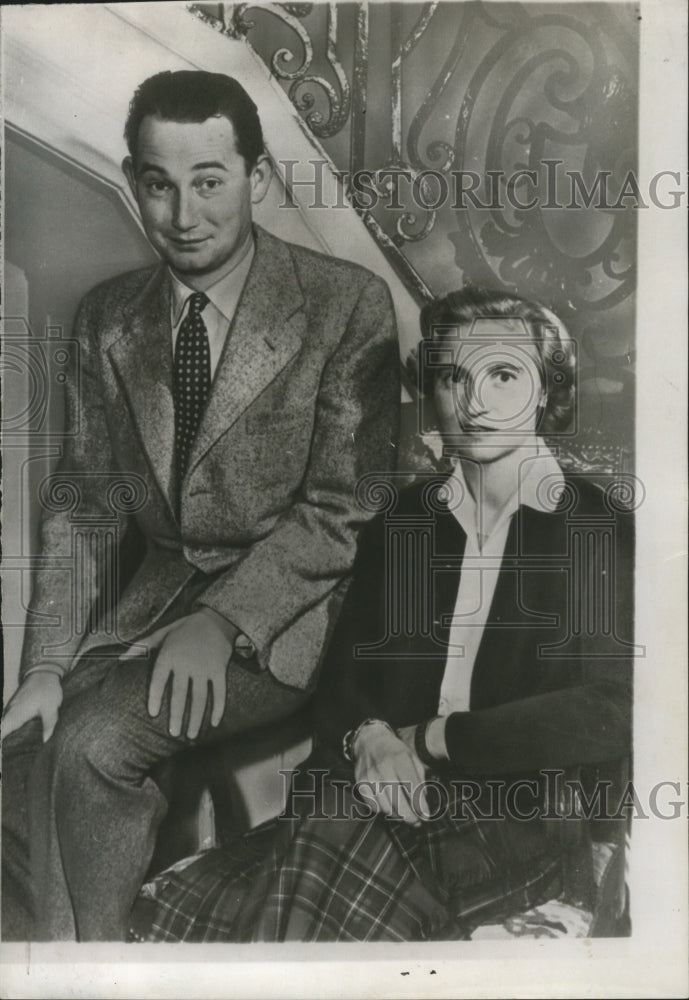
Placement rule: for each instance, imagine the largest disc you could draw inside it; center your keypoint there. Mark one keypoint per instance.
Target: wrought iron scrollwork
(293, 66)
(538, 84)
(414, 224)
(581, 97)
(493, 96)
(298, 9)
(338, 104)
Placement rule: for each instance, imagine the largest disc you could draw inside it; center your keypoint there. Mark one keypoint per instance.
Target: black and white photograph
(344, 495)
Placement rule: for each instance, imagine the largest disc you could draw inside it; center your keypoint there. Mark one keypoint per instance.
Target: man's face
(490, 405)
(195, 196)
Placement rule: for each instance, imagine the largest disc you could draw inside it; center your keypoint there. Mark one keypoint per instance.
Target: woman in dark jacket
(482, 660)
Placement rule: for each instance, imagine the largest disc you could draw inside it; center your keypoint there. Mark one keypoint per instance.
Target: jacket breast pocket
(277, 445)
(266, 421)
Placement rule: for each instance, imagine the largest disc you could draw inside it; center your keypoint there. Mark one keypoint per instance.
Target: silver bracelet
(350, 737)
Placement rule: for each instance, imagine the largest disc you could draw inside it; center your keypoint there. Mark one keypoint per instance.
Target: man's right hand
(40, 695)
(395, 773)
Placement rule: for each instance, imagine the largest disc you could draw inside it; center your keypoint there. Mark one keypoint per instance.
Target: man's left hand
(193, 653)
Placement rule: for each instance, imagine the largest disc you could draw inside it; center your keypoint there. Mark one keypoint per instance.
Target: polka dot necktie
(192, 378)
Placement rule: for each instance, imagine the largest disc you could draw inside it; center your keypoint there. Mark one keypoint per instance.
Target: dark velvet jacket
(552, 681)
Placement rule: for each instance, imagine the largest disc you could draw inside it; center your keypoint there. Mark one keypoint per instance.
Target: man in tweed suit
(247, 517)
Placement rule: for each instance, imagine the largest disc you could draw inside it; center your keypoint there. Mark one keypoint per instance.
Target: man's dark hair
(194, 96)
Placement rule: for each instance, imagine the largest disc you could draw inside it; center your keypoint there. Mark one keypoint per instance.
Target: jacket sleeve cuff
(228, 628)
(241, 644)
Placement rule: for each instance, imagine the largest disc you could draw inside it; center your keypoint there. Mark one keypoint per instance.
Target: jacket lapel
(525, 610)
(265, 334)
(143, 359)
(448, 545)
(450, 542)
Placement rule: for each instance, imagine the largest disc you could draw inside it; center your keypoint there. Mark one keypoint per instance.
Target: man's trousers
(80, 813)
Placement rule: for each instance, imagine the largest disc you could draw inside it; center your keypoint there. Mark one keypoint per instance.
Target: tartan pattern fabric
(192, 377)
(329, 879)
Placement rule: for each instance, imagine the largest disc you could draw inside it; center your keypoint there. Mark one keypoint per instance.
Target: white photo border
(653, 961)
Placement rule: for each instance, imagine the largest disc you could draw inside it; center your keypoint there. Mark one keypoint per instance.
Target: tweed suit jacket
(263, 527)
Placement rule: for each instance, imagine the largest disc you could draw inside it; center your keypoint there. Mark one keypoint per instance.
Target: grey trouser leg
(18, 753)
(93, 809)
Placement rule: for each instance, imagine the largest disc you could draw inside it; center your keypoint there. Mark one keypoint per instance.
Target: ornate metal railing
(570, 55)
(473, 139)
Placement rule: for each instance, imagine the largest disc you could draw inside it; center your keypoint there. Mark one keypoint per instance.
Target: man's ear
(260, 176)
(128, 171)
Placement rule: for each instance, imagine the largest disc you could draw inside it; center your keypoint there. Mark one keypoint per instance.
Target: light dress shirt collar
(540, 485)
(218, 315)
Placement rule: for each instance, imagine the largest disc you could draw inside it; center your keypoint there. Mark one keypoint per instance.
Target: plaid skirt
(326, 875)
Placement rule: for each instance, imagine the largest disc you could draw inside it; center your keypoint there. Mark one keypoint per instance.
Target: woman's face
(489, 405)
